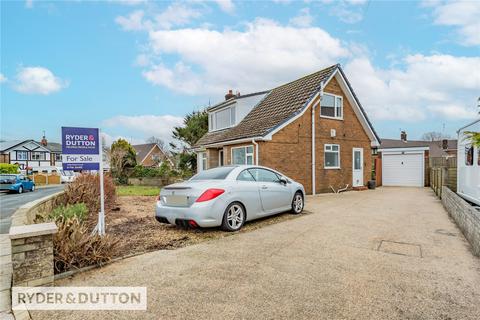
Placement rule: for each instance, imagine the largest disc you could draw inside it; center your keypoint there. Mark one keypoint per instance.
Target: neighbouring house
(150, 155)
(468, 164)
(405, 162)
(312, 129)
(25, 153)
(55, 151)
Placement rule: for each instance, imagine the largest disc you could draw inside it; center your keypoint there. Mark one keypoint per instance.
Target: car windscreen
(7, 176)
(219, 173)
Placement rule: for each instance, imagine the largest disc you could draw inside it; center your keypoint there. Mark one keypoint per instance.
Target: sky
(134, 68)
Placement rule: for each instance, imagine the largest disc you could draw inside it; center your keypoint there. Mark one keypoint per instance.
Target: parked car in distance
(16, 183)
(228, 196)
(66, 176)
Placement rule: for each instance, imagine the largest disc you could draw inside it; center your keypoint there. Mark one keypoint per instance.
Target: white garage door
(404, 170)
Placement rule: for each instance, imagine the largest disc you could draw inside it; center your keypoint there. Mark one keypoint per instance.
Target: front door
(357, 170)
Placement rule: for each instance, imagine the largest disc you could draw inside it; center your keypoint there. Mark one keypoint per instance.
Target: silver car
(228, 196)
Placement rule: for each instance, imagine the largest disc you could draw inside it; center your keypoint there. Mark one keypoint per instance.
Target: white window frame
(247, 154)
(22, 152)
(330, 151)
(212, 123)
(202, 156)
(39, 156)
(336, 107)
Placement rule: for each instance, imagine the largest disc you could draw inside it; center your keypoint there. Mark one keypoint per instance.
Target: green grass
(137, 191)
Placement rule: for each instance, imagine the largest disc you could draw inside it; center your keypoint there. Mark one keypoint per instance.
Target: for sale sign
(80, 148)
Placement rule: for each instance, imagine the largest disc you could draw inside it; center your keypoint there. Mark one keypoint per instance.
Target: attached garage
(403, 167)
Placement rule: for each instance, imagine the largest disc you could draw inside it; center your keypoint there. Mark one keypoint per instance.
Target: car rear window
(7, 176)
(219, 173)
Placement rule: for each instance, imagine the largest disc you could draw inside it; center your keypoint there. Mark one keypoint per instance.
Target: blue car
(16, 182)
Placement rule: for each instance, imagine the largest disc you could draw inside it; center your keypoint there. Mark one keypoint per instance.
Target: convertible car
(16, 183)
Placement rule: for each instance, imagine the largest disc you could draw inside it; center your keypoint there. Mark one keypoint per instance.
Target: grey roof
(277, 107)
(435, 147)
(5, 145)
(142, 150)
(54, 147)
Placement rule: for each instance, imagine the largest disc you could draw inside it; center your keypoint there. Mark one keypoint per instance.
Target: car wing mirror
(283, 181)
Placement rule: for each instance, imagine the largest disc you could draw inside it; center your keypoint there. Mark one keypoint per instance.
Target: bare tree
(434, 136)
(160, 143)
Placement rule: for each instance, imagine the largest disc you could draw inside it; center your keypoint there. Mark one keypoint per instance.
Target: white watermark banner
(79, 298)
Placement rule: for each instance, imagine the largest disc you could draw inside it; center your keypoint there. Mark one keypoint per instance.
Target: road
(9, 202)
(390, 253)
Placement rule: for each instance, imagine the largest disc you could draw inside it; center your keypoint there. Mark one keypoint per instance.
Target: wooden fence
(443, 172)
(44, 179)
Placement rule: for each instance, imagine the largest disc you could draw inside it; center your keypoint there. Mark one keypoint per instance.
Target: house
(405, 162)
(150, 155)
(275, 128)
(55, 151)
(25, 153)
(468, 165)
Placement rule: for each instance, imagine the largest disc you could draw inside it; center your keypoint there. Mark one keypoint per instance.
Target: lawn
(137, 191)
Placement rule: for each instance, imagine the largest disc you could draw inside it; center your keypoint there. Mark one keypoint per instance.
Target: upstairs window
(331, 106)
(222, 119)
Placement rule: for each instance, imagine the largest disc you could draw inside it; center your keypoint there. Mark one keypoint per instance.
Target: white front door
(357, 164)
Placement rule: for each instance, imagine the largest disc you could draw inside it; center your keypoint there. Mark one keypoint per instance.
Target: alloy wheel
(235, 217)
(298, 203)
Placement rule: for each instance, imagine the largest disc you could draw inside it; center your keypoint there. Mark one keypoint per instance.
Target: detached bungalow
(275, 128)
(150, 155)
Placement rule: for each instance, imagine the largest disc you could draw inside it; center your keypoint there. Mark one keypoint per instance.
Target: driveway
(10, 202)
(391, 253)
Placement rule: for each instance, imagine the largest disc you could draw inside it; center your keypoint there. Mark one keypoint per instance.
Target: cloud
(464, 15)
(422, 87)
(303, 19)
(3, 78)
(133, 22)
(176, 14)
(38, 80)
(108, 139)
(262, 55)
(226, 5)
(149, 125)
(29, 4)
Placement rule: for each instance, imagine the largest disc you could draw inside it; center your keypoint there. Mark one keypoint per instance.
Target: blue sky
(135, 68)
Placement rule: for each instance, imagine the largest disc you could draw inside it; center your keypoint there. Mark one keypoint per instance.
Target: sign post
(82, 150)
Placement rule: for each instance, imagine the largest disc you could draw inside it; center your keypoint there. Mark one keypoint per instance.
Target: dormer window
(222, 119)
(331, 106)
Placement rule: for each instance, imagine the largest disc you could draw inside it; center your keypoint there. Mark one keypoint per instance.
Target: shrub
(78, 210)
(8, 168)
(86, 189)
(75, 247)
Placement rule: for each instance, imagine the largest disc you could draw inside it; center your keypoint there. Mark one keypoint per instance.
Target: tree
(195, 126)
(122, 157)
(474, 137)
(434, 136)
(8, 168)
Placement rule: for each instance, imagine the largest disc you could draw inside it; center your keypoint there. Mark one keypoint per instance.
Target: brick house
(274, 128)
(150, 155)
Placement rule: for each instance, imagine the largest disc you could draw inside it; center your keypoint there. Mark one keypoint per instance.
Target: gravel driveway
(392, 253)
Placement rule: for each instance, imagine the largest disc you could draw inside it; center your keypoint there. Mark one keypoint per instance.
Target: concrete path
(392, 253)
(10, 202)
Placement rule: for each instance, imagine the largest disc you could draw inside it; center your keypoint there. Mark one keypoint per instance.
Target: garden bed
(134, 225)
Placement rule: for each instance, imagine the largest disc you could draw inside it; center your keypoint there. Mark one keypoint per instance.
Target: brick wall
(290, 149)
(466, 217)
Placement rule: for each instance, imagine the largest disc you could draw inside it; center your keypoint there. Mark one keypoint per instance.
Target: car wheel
(234, 217)
(20, 189)
(33, 188)
(297, 203)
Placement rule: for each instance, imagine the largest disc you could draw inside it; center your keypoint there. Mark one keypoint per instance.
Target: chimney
(44, 141)
(445, 144)
(229, 94)
(403, 136)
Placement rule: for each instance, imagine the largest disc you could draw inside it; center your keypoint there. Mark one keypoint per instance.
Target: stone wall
(466, 217)
(32, 254)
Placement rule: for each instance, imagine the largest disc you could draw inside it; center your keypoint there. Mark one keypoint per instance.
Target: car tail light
(210, 194)
(192, 224)
(158, 198)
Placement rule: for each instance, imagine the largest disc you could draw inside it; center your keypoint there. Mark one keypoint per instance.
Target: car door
(247, 191)
(275, 195)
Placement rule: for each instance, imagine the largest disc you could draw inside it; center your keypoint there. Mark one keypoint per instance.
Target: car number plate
(177, 200)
